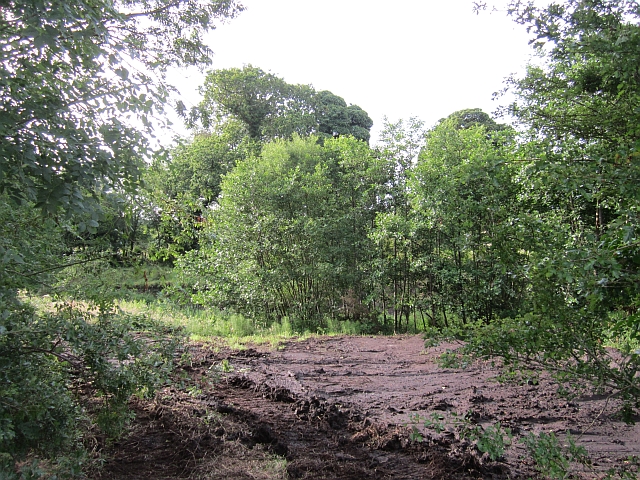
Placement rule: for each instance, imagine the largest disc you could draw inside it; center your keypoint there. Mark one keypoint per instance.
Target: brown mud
(342, 408)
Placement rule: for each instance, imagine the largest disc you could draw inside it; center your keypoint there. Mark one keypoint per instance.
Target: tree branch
(59, 267)
(153, 12)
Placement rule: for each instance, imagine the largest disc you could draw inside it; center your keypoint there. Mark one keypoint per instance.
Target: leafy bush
(65, 363)
(48, 359)
(492, 440)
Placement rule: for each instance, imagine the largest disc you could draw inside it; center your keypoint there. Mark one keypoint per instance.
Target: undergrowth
(237, 330)
(140, 291)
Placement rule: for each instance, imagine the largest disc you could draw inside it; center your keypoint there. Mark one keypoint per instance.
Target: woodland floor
(340, 408)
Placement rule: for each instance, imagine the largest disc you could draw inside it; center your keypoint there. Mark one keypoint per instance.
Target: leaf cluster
(74, 76)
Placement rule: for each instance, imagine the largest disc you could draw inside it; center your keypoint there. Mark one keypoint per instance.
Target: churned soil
(350, 408)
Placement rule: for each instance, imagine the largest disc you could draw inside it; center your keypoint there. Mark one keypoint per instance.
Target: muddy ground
(342, 408)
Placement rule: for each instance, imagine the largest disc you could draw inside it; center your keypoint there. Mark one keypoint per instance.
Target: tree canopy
(472, 117)
(289, 235)
(580, 198)
(270, 108)
(73, 78)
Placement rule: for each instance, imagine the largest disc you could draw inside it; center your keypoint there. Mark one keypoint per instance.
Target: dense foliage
(270, 108)
(75, 86)
(580, 180)
(522, 242)
(289, 235)
(520, 239)
(72, 77)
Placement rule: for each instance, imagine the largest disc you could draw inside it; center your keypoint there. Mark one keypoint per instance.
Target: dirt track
(340, 408)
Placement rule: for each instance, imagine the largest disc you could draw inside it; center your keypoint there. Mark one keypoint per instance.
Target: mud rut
(339, 408)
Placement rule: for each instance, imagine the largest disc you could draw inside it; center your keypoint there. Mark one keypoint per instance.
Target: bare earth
(341, 408)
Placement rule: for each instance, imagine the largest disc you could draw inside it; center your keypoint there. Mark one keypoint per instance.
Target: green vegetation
(576, 224)
(269, 108)
(70, 163)
(278, 219)
(492, 440)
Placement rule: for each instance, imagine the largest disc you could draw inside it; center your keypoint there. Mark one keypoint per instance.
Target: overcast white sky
(424, 58)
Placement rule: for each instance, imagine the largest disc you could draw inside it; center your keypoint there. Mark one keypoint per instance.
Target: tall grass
(208, 324)
(139, 291)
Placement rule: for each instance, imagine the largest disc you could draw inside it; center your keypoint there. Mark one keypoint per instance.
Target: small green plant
(194, 391)
(516, 374)
(216, 371)
(552, 460)
(627, 470)
(434, 422)
(415, 435)
(454, 359)
(225, 366)
(114, 419)
(492, 440)
(186, 358)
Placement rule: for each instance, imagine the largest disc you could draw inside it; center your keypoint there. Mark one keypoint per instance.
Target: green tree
(69, 82)
(397, 289)
(266, 105)
(270, 108)
(581, 106)
(120, 233)
(290, 233)
(334, 117)
(74, 79)
(473, 117)
(465, 196)
(180, 186)
(196, 166)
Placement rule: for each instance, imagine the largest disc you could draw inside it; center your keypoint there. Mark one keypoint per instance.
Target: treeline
(408, 234)
(521, 239)
(280, 208)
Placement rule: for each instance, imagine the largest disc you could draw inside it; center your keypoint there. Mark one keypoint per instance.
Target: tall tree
(334, 117)
(582, 108)
(75, 77)
(290, 235)
(473, 117)
(271, 108)
(465, 195)
(397, 290)
(181, 185)
(73, 74)
(260, 100)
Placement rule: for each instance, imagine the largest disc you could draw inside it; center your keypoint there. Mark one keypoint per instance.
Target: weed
(225, 366)
(492, 440)
(186, 359)
(216, 371)
(415, 435)
(518, 376)
(628, 470)
(551, 459)
(194, 391)
(454, 359)
(435, 422)
(62, 467)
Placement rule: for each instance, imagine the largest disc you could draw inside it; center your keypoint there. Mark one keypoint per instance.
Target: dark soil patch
(341, 408)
